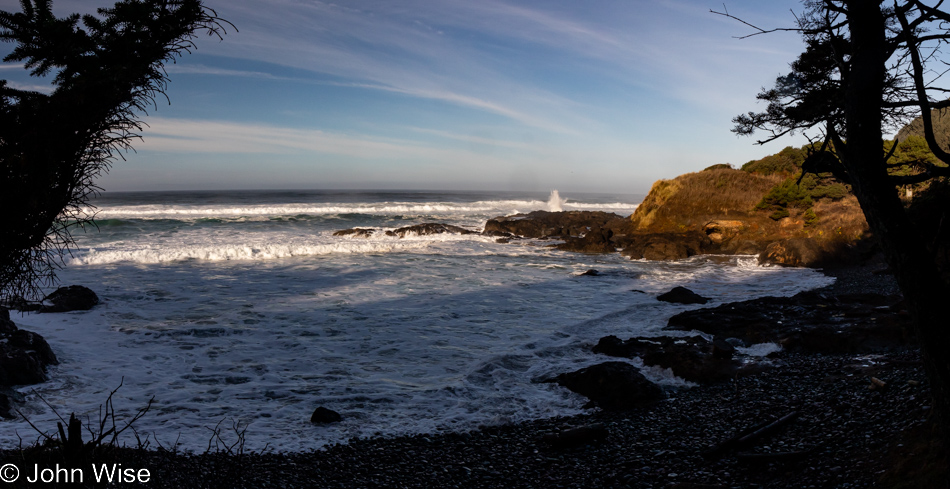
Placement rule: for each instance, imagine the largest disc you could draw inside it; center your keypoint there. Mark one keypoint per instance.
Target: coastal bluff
(762, 209)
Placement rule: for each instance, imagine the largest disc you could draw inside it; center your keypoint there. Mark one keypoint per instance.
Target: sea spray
(555, 202)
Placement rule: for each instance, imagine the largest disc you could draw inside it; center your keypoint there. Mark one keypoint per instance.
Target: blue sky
(595, 96)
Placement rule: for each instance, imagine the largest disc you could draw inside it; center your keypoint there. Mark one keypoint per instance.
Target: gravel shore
(844, 431)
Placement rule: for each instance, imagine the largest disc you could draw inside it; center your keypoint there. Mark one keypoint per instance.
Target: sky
(595, 96)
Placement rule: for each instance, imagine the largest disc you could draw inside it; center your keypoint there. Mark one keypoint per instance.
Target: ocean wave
(148, 255)
(191, 212)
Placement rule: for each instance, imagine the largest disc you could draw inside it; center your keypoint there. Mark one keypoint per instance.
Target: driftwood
(750, 436)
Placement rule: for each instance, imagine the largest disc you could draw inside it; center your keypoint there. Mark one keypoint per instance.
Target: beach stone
(612, 386)
(575, 437)
(682, 295)
(322, 415)
(70, 298)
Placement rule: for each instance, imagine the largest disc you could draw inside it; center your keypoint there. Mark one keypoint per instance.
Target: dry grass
(689, 201)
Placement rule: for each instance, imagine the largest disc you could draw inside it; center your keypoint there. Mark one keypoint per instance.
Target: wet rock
(425, 229)
(590, 273)
(665, 246)
(6, 407)
(694, 358)
(544, 224)
(810, 321)
(71, 298)
(612, 386)
(356, 232)
(322, 415)
(595, 241)
(24, 355)
(428, 229)
(682, 295)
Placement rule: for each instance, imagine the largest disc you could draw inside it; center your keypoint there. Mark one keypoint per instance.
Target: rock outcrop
(612, 386)
(567, 224)
(425, 229)
(809, 321)
(24, 356)
(692, 358)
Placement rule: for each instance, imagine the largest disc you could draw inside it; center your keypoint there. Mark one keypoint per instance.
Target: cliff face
(689, 201)
(720, 210)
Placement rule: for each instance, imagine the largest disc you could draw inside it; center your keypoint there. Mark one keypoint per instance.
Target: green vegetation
(719, 166)
(785, 162)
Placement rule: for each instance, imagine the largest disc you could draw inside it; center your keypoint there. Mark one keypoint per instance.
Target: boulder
(693, 358)
(682, 295)
(811, 321)
(612, 386)
(71, 298)
(322, 415)
(24, 356)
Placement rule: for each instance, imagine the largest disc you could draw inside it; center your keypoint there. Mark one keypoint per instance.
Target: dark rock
(322, 415)
(612, 386)
(71, 298)
(544, 224)
(694, 358)
(24, 356)
(575, 437)
(356, 232)
(682, 295)
(595, 241)
(6, 407)
(429, 229)
(809, 321)
(590, 273)
(424, 229)
(665, 246)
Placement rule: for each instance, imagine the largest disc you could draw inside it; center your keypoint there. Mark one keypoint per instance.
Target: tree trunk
(924, 291)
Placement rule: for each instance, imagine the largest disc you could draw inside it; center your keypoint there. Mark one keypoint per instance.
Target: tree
(105, 72)
(867, 67)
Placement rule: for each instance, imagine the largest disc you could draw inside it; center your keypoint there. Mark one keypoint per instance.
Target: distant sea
(240, 310)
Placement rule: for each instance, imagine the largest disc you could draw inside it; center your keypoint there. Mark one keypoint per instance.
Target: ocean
(239, 312)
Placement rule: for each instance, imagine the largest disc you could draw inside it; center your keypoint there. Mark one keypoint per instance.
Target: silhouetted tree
(105, 71)
(865, 70)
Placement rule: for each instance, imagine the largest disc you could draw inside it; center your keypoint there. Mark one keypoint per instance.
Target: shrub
(719, 166)
(810, 217)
